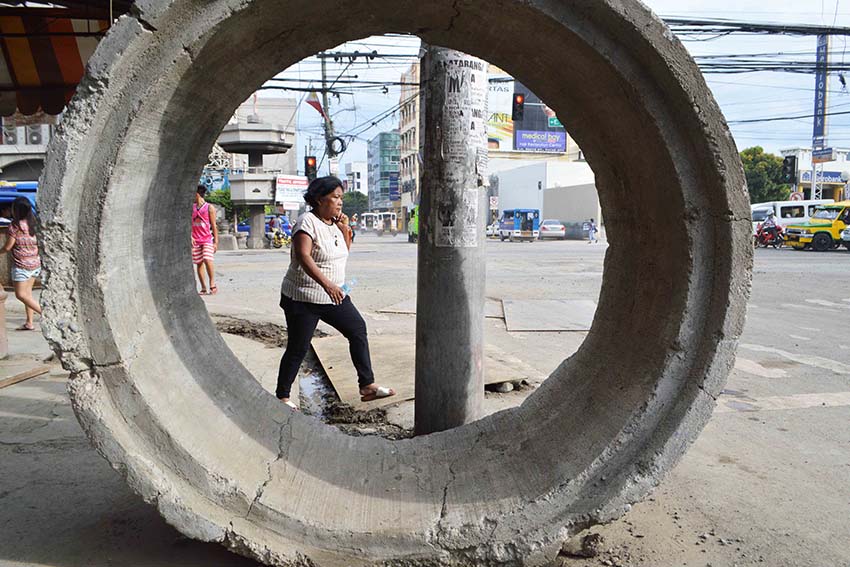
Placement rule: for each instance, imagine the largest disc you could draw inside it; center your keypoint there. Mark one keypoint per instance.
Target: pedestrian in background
(204, 240)
(22, 243)
(313, 290)
(591, 232)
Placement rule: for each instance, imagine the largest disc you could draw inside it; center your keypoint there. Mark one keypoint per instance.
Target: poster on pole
(289, 191)
(821, 93)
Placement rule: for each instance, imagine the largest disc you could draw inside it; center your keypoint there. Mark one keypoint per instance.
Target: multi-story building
(357, 175)
(409, 137)
(383, 159)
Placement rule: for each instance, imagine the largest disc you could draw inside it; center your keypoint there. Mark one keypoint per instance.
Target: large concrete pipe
(167, 404)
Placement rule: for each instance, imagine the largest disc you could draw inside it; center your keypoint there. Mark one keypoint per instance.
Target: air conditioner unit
(34, 135)
(10, 135)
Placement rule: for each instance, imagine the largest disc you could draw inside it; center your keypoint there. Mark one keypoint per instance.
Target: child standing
(204, 240)
(22, 243)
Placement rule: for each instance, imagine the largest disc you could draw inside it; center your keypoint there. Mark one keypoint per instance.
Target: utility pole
(451, 262)
(329, 125)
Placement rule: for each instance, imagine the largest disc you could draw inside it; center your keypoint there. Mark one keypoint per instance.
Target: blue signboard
(821, 92)
(541, 141)
(828, 177)
(395, 190)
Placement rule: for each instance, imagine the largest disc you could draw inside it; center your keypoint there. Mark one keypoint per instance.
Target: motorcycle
(280, 238)
(764, 237)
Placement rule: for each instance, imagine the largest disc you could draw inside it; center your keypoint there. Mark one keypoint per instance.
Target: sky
(740, 96)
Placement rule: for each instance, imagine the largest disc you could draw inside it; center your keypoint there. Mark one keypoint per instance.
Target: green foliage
(355, 203)
(222, 199)
(764, 176)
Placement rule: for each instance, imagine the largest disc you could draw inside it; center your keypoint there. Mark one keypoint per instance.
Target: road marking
(799, 338)
(816, 361)
(826, 303)
(728, 404)
(753, 367)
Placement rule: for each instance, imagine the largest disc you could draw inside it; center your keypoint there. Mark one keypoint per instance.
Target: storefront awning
(45, 50)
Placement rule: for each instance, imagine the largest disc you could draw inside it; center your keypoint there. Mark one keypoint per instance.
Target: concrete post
(257, 220)
(451, 276)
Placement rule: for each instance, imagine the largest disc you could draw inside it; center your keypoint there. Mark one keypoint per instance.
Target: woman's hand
(335, 292)
(341, 220)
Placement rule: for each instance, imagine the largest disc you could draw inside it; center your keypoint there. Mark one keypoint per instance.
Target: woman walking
(22, 243)
(312, 290)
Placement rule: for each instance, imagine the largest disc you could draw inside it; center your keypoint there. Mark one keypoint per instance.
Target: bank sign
(829, 177)
(541, 141)
(821, 92)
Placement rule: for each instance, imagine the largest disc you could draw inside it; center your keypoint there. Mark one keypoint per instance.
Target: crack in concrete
(455, 16)
(136, 13)
(452, 479)
(280, 456)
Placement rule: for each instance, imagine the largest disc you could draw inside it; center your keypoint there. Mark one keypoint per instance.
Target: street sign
(797, 196)
(289, 190)
(494, 203)
(823, 156)
(554, 122)
(821, 92)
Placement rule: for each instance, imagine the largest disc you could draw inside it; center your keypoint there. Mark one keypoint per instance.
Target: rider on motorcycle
(769, 226)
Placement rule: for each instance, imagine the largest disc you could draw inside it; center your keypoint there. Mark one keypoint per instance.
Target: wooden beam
(32, 373)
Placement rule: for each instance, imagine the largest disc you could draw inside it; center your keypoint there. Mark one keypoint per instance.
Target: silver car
(551, 228)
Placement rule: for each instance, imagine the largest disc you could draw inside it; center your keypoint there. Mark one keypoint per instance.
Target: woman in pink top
(21, 242)
(204, 239)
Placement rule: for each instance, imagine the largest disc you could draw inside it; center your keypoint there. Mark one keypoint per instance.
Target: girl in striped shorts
(204, 240)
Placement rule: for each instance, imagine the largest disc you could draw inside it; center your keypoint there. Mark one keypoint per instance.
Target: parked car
(492, 229)
(551, 228)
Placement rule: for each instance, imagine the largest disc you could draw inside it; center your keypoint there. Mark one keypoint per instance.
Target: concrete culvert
(164, 400)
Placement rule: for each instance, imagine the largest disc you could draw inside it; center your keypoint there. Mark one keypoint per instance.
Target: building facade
(383, 179)
(832, 177)
(357, 175)
(23, 145)
(409, 137)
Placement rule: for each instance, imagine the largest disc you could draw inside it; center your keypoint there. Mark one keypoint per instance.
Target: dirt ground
(765, 484)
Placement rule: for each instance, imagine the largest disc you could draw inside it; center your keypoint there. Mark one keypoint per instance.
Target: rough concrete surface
(164, 401)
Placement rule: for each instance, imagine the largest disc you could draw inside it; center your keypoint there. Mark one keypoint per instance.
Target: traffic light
(310, 167)
(519, 107)
(789, 169)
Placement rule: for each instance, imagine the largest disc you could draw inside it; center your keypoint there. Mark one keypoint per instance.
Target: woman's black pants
(301, 321)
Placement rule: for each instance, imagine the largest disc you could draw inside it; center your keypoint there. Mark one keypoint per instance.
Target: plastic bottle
(348, 286)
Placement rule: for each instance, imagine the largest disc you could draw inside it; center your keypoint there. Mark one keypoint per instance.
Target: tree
(764, 176)
(355, 203)
(222, 199)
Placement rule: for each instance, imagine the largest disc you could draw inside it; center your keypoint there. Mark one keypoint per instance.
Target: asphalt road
(767, 483)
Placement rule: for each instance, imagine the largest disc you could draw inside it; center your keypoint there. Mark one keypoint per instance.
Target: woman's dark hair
(202, 190)
(22, 210)
(320, 187)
